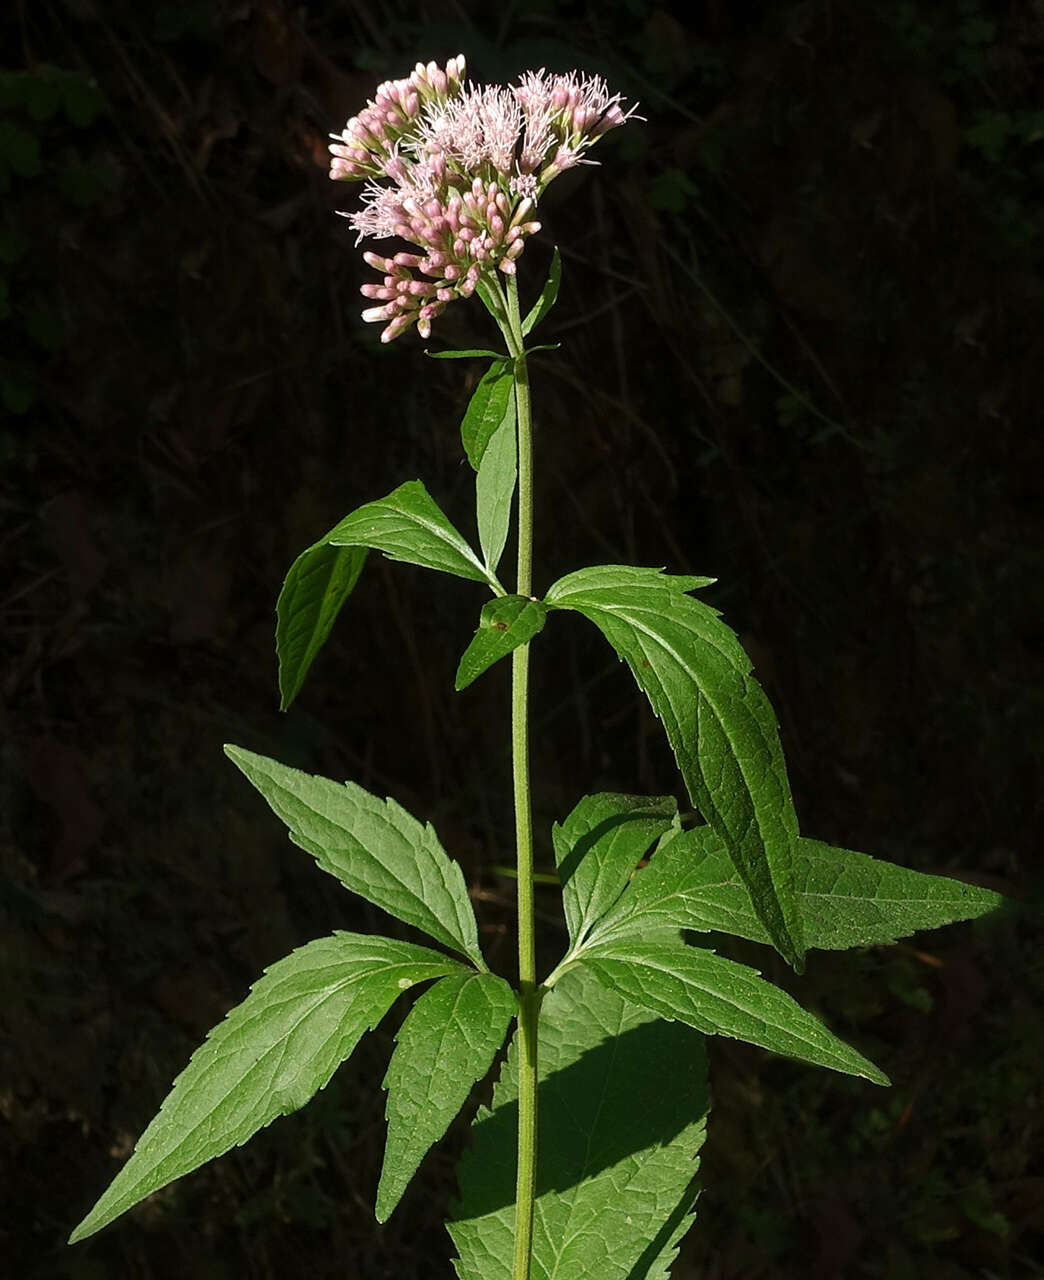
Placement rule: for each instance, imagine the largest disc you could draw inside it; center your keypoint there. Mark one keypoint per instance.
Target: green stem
(529, 995)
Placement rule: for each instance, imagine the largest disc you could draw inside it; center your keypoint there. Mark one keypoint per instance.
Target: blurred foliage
(809, 290)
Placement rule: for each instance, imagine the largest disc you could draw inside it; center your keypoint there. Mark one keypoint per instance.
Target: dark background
(802, 352)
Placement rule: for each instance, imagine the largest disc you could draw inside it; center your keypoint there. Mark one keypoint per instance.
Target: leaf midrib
(446, 538)
(280, 1044)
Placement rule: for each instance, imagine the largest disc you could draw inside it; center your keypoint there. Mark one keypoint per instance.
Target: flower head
(455, 170)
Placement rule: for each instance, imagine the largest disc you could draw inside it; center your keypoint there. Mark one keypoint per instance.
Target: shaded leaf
(319, 582)
(617, 1158)
(504, 624)
(597, 849)
(718, 721)
(847, 899)
(487, 409)
(446, 1044)
(720, 997)
(548, 295)
(495, 486)
(374, 847)
(269, 1056)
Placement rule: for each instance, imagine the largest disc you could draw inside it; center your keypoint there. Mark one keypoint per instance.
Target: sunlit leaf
(548, 295)
(847, 899)
(446, 1044)
(597, 849)
(464, 355)
(490, 403)
(719, 997)
(269, 1056)
(504, 624)
(374, 847)
(495, 486)
(718, 721)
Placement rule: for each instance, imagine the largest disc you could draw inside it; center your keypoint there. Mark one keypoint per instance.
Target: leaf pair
(624, 924)
(407, 525)
(304, 1017)
(597, 849)
(622, 1092)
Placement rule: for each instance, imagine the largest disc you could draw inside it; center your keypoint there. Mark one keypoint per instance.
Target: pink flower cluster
(462, 167)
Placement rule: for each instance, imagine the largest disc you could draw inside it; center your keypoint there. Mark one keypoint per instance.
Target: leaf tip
(288, 691)
(239, 756)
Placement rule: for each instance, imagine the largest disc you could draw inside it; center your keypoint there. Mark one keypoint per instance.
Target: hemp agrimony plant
(584, 1164)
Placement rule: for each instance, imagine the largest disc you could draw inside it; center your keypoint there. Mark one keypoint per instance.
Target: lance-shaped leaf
(487, 409)
(720, 997)
(374, 847)
(470, 354)
(597, 849)
(847, 899)
(319, 582)
(446, 1044)
(504, 624)
(495, 486)
(622, 1104)
(407, 525)
(548, 295)
(269, 1056)
(718, 722)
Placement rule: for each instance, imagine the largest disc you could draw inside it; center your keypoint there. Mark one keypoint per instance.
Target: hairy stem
(529, 996)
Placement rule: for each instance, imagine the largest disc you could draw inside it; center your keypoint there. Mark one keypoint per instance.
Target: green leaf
(597, 849)
(464, 355)
(446, 1044)
(847, 899)
(488, 296)
(610, 576)
(374, 847)
(490, 403)
(269, 1056)
(718, 721)
(319, 582)
(623, 1103)
(495, 486)
(504, 624)
(720, 997)
(548, 295)
(407, 525)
